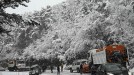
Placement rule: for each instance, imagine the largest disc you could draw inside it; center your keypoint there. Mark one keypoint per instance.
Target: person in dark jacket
(51, 66)
(62, 67)
(44, 67)
(81, 67)
(93, 70)
(58, 70)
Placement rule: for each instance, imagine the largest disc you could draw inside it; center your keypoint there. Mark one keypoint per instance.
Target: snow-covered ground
(48, 72)
(14, 73)
(131, 71)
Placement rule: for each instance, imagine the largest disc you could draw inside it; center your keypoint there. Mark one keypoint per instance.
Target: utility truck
(114, 53)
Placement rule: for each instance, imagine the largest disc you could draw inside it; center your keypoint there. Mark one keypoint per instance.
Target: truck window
(11, 62)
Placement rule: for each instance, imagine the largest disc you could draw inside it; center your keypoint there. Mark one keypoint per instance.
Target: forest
(67, 30)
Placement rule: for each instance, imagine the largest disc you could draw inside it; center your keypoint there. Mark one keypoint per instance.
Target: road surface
(48, 72)
(65, 72)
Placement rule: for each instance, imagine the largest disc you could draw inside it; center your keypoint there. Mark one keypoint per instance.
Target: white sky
(33, 5)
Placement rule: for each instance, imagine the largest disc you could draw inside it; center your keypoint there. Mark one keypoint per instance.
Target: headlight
(110, 74)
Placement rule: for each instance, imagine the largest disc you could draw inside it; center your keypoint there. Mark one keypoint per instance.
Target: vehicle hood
(123, 72)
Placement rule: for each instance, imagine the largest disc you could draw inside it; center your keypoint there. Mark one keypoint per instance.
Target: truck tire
(11, 69)
(37, 74)
(78, 70)
(71, 71)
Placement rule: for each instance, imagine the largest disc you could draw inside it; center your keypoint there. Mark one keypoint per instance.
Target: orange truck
(114, 53)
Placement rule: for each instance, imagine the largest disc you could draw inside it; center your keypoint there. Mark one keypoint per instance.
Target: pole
(127, 54)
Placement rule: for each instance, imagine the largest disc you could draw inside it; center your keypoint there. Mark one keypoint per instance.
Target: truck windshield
(11, 62)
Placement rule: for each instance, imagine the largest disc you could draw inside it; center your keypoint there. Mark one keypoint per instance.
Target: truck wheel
(78, 70)
(37, 74)
(71, 71)
(10, 69)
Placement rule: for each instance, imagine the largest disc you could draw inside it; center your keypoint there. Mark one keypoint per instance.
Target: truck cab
(21, 65)
(12, 65)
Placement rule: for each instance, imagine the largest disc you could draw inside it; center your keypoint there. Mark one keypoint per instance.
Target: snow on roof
(92, 51)
(80, 60)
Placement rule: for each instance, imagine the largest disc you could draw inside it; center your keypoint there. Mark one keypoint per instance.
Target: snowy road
(65, 72)
(48, 72)
(14, 73)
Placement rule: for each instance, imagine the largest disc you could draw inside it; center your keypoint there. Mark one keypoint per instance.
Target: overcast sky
(33, 5)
